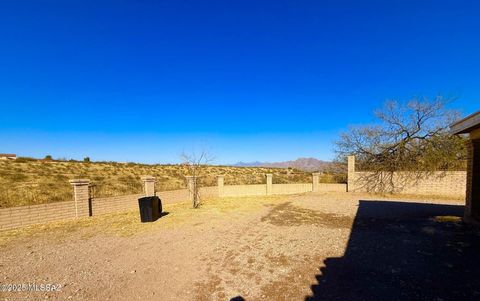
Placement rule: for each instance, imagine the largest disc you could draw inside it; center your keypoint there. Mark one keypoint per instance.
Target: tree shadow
(403, 251)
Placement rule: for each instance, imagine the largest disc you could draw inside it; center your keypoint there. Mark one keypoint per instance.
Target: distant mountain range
(305, 164)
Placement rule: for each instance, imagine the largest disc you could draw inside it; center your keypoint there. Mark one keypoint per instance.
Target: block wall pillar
(315, 181)
(351, 174)
(81, 196)
(269, 189)
(148, 185)
(220, 184)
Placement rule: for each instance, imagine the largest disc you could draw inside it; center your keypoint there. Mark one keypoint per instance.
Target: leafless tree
(411, 136)
(195, 164)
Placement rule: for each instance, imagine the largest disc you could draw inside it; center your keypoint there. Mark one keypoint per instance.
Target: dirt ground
(329, 246)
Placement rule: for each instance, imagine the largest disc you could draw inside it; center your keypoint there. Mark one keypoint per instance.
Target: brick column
(269, 183)
(148, 185)
(220, 183)
(351, 174)
(315, 181)
(81, 196)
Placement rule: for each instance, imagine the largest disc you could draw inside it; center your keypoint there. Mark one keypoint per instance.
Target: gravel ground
(330, 246)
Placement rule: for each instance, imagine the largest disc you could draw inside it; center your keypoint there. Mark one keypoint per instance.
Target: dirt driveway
(310, 246)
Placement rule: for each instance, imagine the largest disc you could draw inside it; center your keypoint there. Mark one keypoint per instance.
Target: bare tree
(411, 136)
(196, 166)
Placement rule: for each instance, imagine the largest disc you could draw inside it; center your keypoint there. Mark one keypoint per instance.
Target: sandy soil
(272, 250)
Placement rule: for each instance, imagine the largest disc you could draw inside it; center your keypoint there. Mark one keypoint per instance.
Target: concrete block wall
(207, 192)
(441, 183)
(244, 190)
(291, 188)
(173, 196)
(28, 215)
(274, 189)
(130, 202)
(83, 204)
(450, 184)
(114, 204)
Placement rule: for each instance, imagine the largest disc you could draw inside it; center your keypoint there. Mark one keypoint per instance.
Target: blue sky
(248, 80)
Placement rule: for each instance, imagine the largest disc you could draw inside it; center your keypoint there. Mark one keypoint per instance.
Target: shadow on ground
(400, 251)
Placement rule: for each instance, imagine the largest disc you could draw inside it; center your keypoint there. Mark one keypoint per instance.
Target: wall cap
(78, 182)
(148, 178)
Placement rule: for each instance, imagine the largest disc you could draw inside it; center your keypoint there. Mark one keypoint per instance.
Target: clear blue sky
(249, 80)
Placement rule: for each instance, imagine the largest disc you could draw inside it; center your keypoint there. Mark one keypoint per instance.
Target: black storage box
(150, 208)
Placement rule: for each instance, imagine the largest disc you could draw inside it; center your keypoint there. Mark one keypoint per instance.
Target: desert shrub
(24, 159)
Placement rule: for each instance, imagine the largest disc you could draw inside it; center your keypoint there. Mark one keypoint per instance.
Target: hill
(303, 164)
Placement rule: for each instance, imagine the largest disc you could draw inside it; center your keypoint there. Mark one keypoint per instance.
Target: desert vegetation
(26, 182)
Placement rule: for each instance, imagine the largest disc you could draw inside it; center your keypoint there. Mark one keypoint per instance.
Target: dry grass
(37, 182)
(288, 214)
(447, 219)
(128, 223)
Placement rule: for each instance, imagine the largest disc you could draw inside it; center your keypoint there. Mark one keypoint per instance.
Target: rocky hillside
(303, 164)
